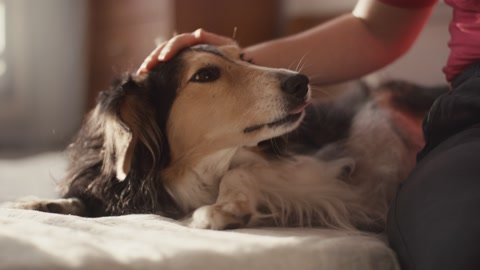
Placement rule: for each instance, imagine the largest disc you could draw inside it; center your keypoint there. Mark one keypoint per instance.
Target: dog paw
(59, 206)
(219, 217)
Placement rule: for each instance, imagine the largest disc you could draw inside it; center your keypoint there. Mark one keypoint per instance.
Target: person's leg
(434, 222)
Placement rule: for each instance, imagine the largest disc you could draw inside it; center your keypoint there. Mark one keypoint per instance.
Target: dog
(217, 142)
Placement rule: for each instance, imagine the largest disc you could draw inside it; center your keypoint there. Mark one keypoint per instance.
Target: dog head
(223, 101)
(203, 100)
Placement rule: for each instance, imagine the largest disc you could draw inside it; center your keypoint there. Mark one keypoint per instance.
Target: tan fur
(217, 176)
(206, 123)
(215, 172)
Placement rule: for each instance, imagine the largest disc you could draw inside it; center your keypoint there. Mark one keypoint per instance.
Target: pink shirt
(464, 36)
(464, 32)
(409, 3)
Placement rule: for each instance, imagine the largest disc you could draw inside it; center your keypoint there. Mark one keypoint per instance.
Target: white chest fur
(197, 184)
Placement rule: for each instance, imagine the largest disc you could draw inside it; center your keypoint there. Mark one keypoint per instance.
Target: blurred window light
(3, 67)
(2, 28)
(3, 48)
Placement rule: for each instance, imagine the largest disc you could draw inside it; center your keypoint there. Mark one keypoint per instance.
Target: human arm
(347, 47)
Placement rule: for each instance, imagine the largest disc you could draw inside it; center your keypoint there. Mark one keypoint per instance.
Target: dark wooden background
(123, 32)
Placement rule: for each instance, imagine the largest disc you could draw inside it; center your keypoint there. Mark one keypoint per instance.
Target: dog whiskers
(319, 91)
(301, 63)
(234, 35)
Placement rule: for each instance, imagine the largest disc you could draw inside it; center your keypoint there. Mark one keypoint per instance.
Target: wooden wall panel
(255, 20)
(122, 34)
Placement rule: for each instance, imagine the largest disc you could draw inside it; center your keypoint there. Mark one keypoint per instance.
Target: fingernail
(197, 33)
(161, 57)
(142, 70)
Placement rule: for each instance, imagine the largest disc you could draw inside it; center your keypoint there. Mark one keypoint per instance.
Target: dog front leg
(67, 206)
(235, 204)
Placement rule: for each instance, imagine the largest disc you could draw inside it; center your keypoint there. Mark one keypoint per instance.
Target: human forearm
(347, 47)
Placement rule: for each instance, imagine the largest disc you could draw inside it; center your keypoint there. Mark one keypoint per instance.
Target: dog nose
(296, 85)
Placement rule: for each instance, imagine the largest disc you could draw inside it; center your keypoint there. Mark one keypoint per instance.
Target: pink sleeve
(410, 3)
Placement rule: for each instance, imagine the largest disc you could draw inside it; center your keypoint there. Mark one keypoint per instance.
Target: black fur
(91, 176)
(328, 122)
(324, 123)
(140, 107)
(413, 98)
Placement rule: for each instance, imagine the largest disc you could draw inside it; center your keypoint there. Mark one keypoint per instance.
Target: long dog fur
(154, 145)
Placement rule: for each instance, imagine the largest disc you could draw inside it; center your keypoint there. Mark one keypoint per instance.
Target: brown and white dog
(221, 143)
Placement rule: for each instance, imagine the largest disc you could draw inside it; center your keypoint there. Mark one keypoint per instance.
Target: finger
(166, 50)
(151, 60)
(177, 43)
(213, 39)
(186, 40)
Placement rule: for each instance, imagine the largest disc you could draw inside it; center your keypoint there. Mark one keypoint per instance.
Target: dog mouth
(292, 117)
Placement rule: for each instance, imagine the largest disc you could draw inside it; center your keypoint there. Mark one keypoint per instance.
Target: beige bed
(36, 240)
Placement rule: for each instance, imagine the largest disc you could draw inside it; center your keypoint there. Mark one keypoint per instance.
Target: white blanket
(36, 240)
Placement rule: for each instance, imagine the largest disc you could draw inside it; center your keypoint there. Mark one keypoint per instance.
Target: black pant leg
(435, 221)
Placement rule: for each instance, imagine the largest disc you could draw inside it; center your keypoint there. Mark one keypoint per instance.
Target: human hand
(168, 49)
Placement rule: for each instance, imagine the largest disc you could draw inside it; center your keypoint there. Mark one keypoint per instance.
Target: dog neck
(194, 177)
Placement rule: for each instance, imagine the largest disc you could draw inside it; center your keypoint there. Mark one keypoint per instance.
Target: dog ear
(116, 160)
(130, 122)
(119, 140)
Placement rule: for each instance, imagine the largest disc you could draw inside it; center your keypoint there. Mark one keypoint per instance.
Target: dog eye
(207, 74)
